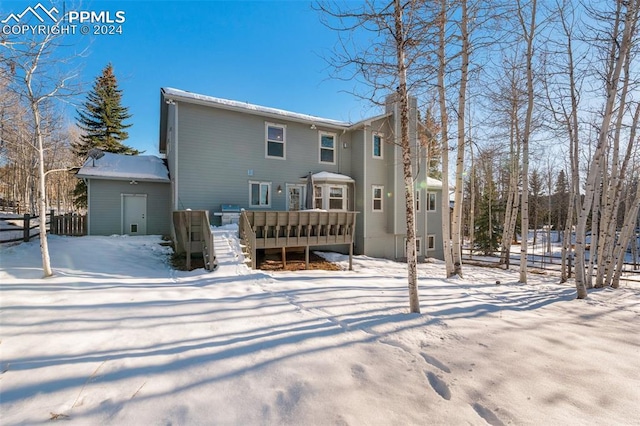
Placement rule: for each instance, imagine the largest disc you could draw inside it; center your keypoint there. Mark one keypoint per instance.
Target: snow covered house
(127, 194)
(223, 153)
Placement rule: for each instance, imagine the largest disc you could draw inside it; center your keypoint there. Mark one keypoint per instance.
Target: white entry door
(134, 214)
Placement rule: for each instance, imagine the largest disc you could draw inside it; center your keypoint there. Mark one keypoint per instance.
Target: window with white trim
(259, 194)
(276, 141)
(317, 197)
(377, 141)
(327, 148)
(431, 201)
(330, 197)
(377, 196)
(418, 201)
(431, 242)
(337, 197)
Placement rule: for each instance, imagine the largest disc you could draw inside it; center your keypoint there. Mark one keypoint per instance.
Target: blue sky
(264, 52)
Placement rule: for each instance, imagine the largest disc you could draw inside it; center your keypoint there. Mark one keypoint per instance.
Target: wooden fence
(67, 224)
(70, 224)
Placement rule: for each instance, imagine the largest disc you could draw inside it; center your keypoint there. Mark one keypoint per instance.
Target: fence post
(26, 227)
(52, 222)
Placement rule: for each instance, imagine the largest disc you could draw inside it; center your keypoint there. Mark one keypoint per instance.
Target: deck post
(188, 217)
(351, 257)
(284, 257)
(306, 257)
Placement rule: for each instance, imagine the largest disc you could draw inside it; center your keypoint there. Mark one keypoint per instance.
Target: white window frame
(373, 145)
(267, 140)
(325, 197)
(374, 198)
(431, 242)
(343, 198)
(418, 201)
(320, 147)
(429, 207)
(261, 185)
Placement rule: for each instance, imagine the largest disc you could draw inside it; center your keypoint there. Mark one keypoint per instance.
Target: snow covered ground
(118, 337)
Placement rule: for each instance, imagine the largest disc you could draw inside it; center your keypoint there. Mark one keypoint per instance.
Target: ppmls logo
(39, 20)
(33, 11)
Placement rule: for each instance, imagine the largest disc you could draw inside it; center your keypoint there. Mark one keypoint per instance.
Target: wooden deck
(280, 229)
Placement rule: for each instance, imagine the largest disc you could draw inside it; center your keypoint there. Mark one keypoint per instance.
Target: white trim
(374, 198)
(435, 202)
(373, 149)
(320, 147)
(269, 194)
(431, 236)
(326, 196)
(302, 188)
(283, 142)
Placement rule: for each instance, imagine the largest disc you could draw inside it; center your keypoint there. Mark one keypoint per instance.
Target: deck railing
(194, 234)
(280, 229)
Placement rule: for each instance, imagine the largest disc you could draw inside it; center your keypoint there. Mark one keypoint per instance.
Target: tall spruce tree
(101, 119)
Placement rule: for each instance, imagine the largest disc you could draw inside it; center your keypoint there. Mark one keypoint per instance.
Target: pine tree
(102, 122)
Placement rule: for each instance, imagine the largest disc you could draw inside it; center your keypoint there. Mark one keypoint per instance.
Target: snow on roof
(245, 106)
(119, 166)
(328, 176)
(434, 183)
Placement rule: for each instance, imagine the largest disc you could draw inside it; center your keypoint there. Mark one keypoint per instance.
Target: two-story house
(221, 152)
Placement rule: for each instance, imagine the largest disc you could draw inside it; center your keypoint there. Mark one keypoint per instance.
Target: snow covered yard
(118, 337)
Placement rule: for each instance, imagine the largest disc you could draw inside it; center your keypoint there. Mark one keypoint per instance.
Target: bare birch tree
(383, 66)
(620, 41)
(31, 63)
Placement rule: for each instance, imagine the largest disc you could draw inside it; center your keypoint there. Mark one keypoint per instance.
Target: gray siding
(105, 211)
(220, 152)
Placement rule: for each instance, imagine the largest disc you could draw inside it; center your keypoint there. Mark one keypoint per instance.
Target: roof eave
(311, 121)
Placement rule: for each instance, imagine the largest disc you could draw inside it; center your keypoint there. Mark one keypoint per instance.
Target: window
(317, 197)
(276, 140)
(418, 246)
(431, 242)
(431, 201)
(377, 145)
(327, 148)
(337, 197)
(330, 197)
(259, 194)
(418, 200)
(378, 192)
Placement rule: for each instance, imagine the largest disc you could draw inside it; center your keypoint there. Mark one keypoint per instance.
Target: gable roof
(111, 166)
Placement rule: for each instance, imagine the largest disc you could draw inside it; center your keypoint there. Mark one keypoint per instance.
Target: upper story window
(377, 198)
(276, 140)
(431, 201)
(418, 201)
(327, 148)
(260, 194)
(377, 145)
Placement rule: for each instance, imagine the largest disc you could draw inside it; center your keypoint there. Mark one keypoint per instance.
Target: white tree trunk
(529, 34)
(412, 259)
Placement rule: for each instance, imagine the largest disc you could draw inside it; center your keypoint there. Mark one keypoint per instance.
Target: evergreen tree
(101, 119)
